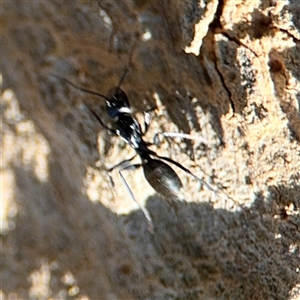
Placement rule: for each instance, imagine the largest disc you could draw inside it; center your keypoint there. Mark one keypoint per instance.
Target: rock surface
(224, 71)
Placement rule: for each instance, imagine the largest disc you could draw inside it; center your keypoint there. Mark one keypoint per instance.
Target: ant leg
(143, 209)
(196, 177)
(101, 122)
(184, 169)
(147, 121)
(124, 162)
(124, 165)
(157, 141)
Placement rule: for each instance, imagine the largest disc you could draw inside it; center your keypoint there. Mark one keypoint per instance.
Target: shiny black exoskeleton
(160, 175)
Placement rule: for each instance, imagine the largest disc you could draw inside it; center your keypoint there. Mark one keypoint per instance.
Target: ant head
(117, 103)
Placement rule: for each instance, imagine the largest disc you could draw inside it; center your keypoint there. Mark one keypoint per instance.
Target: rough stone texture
(65, 235)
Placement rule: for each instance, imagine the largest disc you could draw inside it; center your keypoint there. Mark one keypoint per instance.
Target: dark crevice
(215, 59)
(237, 41)
(227, 89)
(216, 23)
(295, 39)
(215, 27)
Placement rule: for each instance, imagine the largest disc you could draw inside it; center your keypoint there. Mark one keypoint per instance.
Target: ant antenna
(80, 88)
(128, 65)
(90, 109)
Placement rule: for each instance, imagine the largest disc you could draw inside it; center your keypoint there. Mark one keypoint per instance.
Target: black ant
(160, 175)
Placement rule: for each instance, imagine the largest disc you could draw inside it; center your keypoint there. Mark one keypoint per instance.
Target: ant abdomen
(163, 179)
